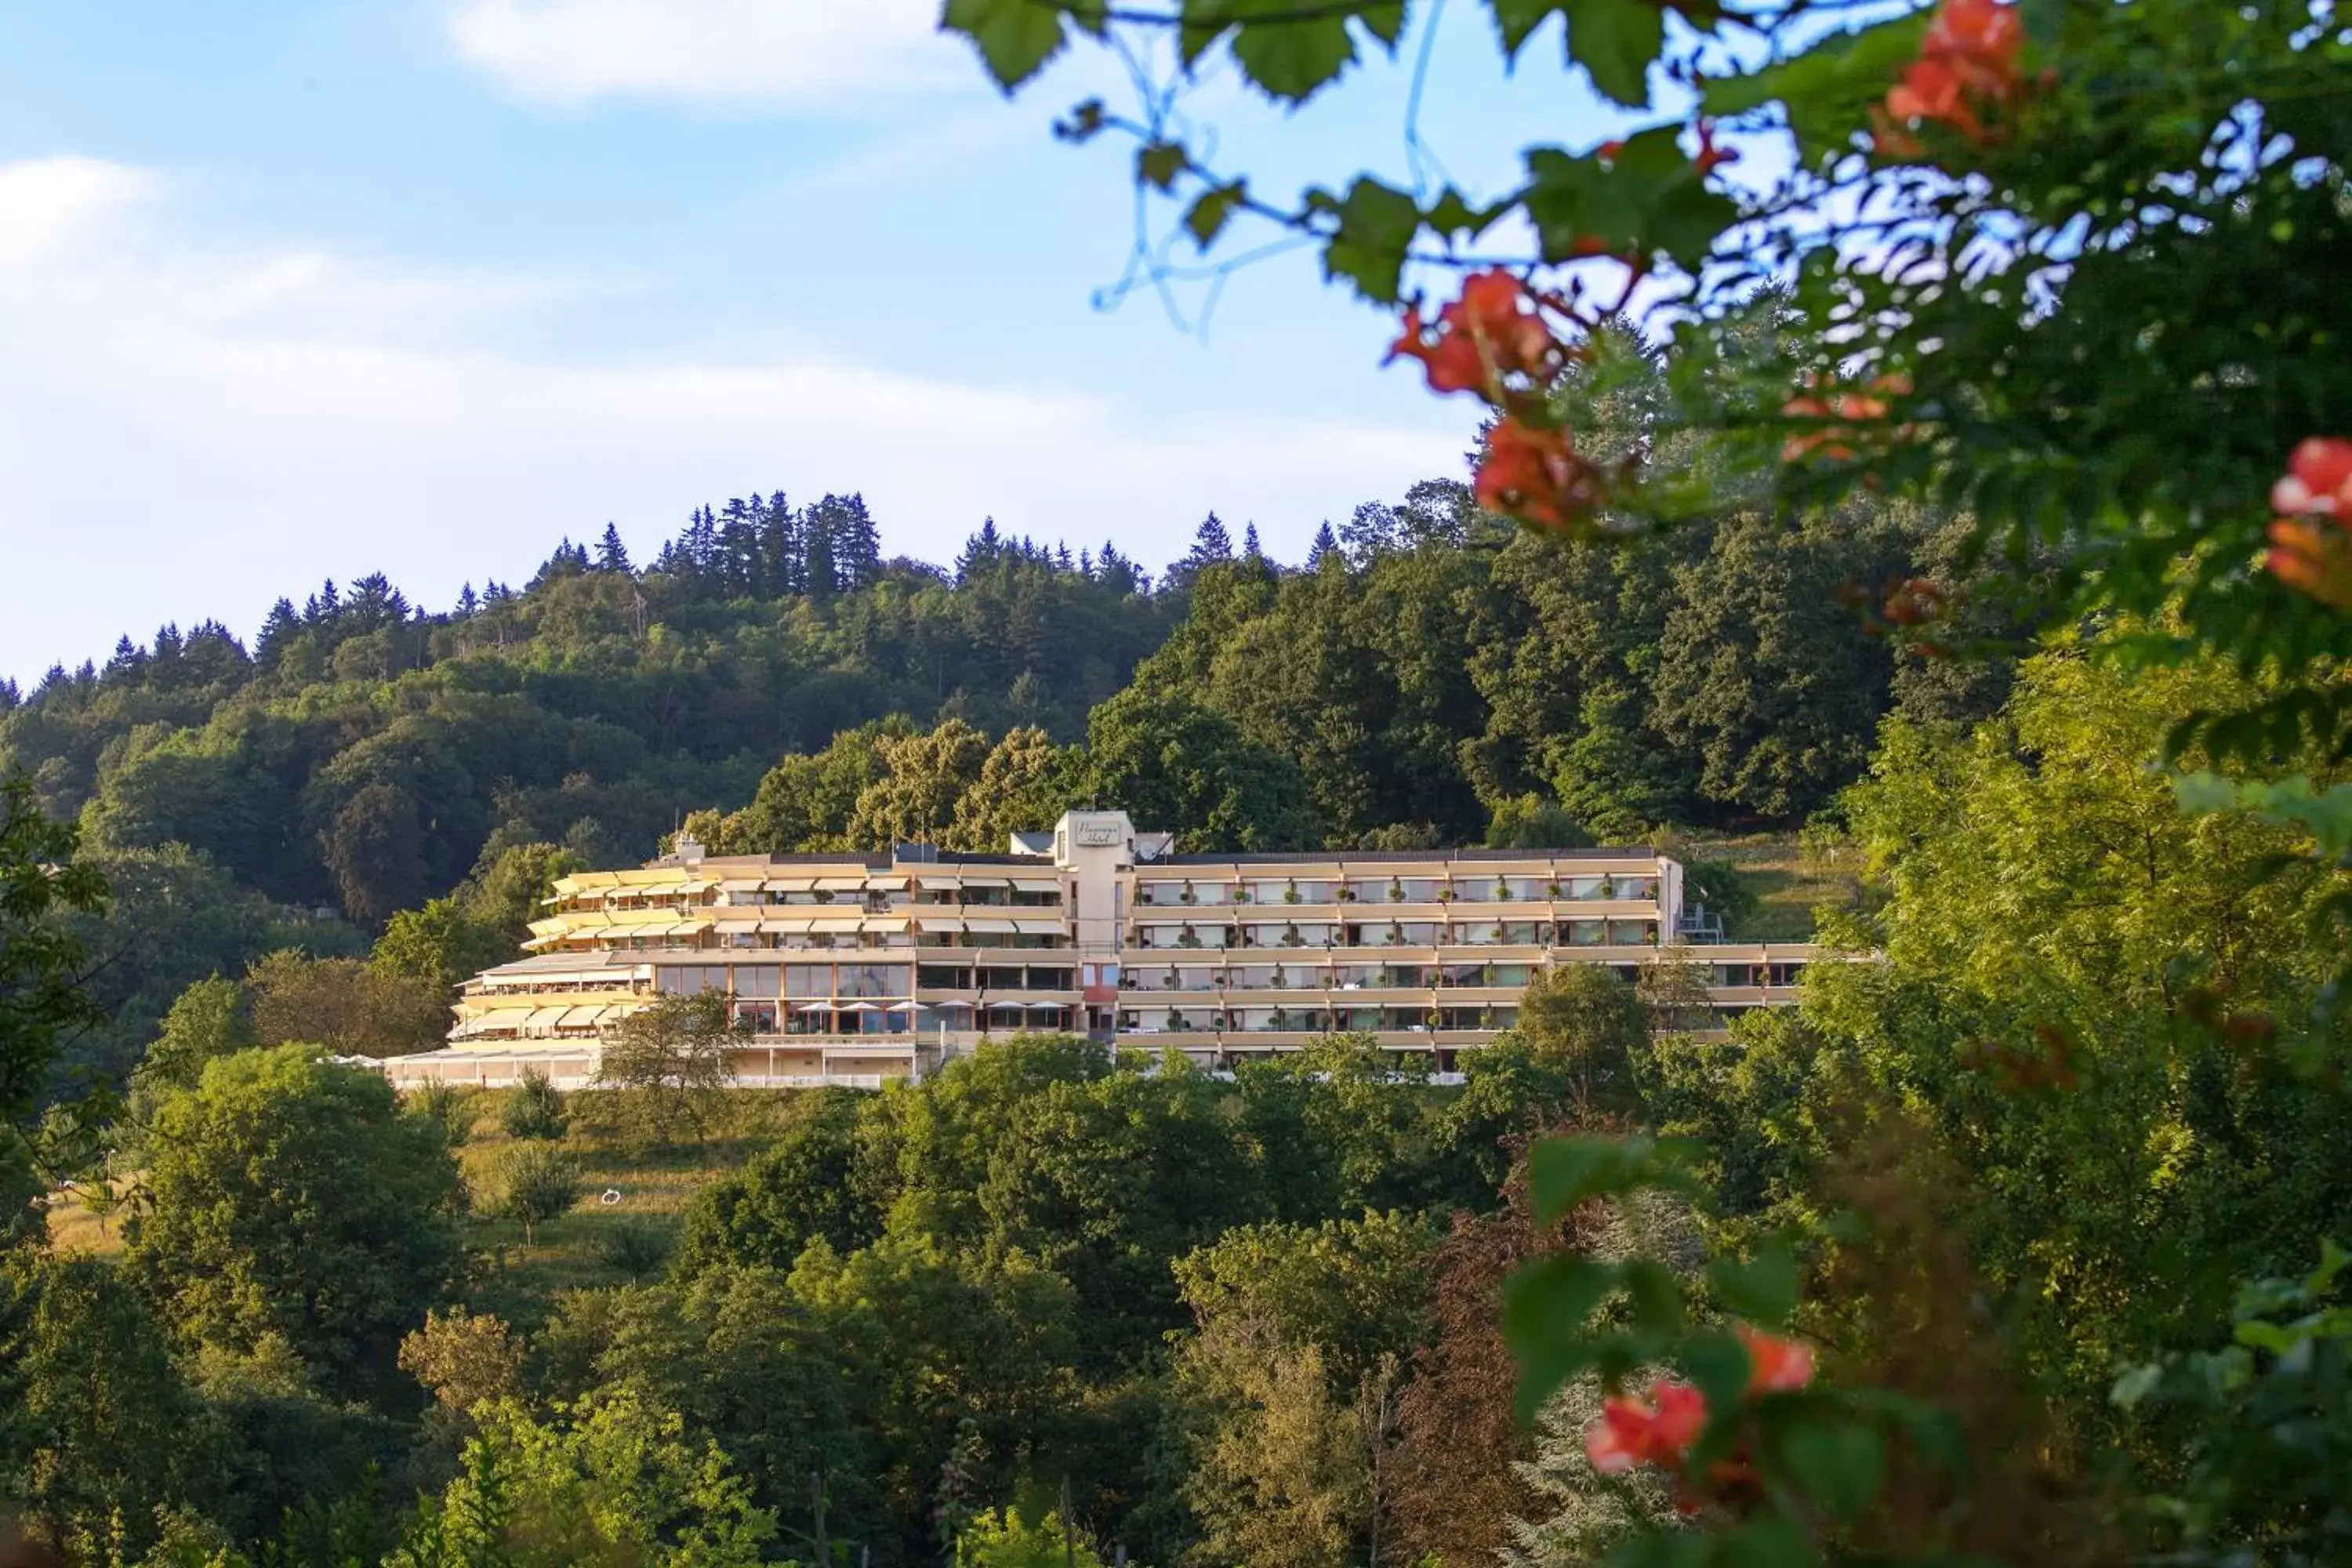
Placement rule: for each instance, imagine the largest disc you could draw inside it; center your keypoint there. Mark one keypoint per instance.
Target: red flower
(2319, 481)
(1490, 334)
(1656, 1431)
(1969, 55)
(1536, 475)
(2311, 544)
(1775, 1365)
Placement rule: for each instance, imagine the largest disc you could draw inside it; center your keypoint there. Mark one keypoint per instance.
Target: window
(1786, 973)
(1478, 934)
(690, 979)
(1586, 933)
(1001, 979)
(756, 980)
(1051, 979)
(943, 977)
(808, 980)
(1417, 889)
(1160, 894)
(1526, 889)
(1633, 934)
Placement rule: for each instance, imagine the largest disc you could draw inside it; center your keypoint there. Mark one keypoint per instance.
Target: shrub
(537, 1183)
(533, 1108)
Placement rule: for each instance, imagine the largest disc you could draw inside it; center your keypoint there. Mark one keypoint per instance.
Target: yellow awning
(841, 884)
(1001, 928)
(1039, 927)
(1035, 885)
(837, 924)
(544, 1017)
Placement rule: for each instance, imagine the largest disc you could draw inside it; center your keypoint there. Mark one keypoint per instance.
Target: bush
(533, 1108)
(633, 1247)
(444, 1107)
(536, 1184)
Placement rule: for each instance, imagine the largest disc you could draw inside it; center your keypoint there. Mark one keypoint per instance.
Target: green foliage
(663, 1066)
(612, 1483)
(533, 1108)
(2266, 1425)
(290, 1197)
(1595, 1027)
(536, 1182)
(41, 962)
(1008, 1540)
(103, 1432)
(211, 1018)
(806, 1185)
(1356, 1288)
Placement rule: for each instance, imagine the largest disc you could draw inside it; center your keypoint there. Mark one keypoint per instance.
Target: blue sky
(297, 291)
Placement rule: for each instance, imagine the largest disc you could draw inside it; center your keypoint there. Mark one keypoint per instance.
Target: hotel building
(853, 969)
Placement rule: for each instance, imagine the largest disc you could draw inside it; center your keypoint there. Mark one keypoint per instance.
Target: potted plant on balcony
(1290, 891)
(1185, 895)
(1608, 889)
(1445, 894)
(1242, 893)
(1177, 1021)
(1188, 937)
(1346, 893)
(1396, 891)
(1395, 937)
(1282, 1017)
(1290, 937)
(1502, 890)
(1280, 979)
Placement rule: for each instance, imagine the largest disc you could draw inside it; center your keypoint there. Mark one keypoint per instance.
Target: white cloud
(188, 431)
(796, 53)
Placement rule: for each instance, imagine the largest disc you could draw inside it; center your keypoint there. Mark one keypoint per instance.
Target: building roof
(1384, 857)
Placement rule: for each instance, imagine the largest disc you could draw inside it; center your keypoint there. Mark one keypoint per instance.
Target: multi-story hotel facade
(856, 969)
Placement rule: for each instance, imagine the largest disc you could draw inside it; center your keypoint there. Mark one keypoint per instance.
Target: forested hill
(1429, 676)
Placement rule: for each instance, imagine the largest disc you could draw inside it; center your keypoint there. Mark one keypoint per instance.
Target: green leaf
(1377, 224)
(1771, 1541)
(1516, 20)
(1718, 1364)
(1290, 57)
(1015, 37)
(1546, 1307)
(1209, 211)
(1563, 1172)
(1453, 214)
(1616, 41)
(1553, 1298)
(2136, 1384)
(1158, 163)
(1761, 1288)
(1840, 1463)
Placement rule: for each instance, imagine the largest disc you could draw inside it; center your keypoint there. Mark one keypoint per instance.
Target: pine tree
(468, 605)
(277, 631)
(323, 607)
(129, 658)
(1250, 551)
(1211, 542)
(1326, 548)
(979, 552)
(612, 555)
(780, 549)
(856, 541)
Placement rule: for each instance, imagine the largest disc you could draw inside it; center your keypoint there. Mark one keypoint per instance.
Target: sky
(293, 292)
